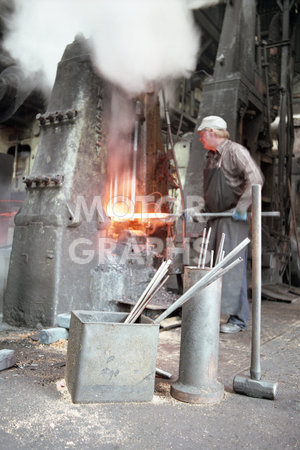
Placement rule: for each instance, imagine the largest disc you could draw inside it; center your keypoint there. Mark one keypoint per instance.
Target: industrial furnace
(98, 194)
(95, 218)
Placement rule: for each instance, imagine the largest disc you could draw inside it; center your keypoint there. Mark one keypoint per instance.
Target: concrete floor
(37, 413)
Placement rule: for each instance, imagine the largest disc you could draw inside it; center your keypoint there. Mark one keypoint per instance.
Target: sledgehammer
(253, 386)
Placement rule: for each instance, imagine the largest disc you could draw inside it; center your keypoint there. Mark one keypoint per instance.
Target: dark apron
(219, 197)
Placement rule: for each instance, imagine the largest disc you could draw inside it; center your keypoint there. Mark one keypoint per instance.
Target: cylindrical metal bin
(199, 350)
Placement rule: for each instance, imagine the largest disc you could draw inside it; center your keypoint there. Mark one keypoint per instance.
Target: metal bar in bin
(201, 283)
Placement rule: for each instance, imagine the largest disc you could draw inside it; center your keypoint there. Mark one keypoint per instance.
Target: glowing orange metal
(142, 216)
(8, 214)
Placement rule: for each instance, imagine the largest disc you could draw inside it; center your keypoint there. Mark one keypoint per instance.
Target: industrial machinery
(83, 234)
(251, 85)
(99, 214)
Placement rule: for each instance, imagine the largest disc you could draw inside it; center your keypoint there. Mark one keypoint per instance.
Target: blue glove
(189, 215)
(238, 215)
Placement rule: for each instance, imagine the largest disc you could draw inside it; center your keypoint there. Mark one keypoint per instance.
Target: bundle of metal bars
(218, 271)
(204, 244)
(203, 250)
(153, 287)
(161, 277)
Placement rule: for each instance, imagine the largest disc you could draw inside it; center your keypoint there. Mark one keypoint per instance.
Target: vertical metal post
(14, 176)
(255, 370)
(135, 150)
(284, 154)
(199, 349)
(266, 74)
(167, 117)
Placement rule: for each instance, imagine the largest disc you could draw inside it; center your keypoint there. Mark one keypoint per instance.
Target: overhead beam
(207, 25)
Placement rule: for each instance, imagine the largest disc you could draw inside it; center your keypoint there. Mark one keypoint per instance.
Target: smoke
(146, 42)
(135, 44)
(38, 32)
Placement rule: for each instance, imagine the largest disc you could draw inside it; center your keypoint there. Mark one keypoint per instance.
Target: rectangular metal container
(108, 360)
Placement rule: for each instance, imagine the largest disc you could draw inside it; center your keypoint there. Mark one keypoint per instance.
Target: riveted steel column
(198, 367)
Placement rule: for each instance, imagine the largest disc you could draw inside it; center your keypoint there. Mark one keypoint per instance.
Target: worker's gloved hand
(239, 215)
(189, 215)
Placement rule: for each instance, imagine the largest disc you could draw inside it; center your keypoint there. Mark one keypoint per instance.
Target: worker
(229, 174)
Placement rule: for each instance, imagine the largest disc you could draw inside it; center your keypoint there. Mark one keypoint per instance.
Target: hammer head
(255, 388)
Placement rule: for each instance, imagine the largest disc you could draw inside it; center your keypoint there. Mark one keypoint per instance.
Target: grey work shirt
(239, 169)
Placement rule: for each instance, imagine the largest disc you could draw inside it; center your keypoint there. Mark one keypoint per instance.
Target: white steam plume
(39, 31)
(134, 42)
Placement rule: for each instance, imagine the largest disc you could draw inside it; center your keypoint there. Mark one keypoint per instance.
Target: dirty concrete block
(7, 359)
(51, 335)
(63, 320)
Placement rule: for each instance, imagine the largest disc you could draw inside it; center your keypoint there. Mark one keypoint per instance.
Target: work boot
(230, 328)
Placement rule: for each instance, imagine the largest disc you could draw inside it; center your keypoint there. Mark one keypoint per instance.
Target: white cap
(214, 122)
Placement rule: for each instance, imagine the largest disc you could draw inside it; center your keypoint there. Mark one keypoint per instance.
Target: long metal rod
(211, 258)
(222, 272)
(147, 300)
(229, 214)
(160, 273)
(201, 248)
(190, 292)
(148, 288)
(205, 248)
(167, 216)
(135, 149)
(220, 249)
(255, 370)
